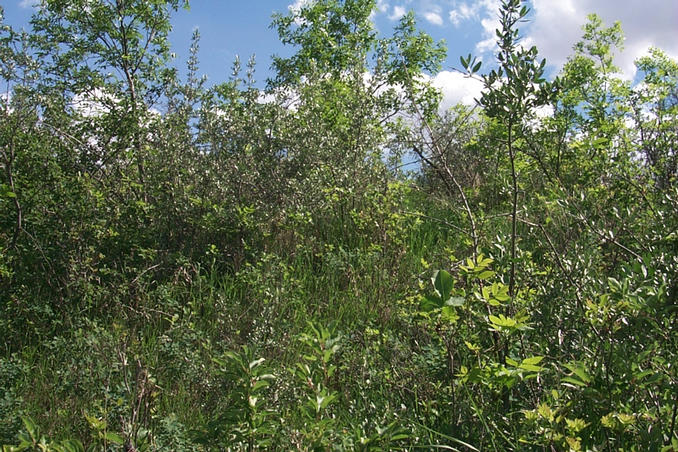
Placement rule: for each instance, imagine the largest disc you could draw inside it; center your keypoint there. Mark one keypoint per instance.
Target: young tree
(512, 92)
(110, 52)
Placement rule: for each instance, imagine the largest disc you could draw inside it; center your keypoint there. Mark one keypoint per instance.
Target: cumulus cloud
(398, 12)
(489, 22)
(462, 13)
(456, 88)
(433, 18)
(557, 26)
(554, 27)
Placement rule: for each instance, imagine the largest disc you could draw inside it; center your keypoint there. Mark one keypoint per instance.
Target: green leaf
(484, 261)
(31, 427)
(511, 362)
(531, 368)
(430, 302)
(260, 384)
(533, 360)
(501, 293)
(73, 445)
(486, 275)
(449, 314)
(573, 381)
(113, 438)
(579, 370)
(95, 423)
(502, 321)
(443, 283)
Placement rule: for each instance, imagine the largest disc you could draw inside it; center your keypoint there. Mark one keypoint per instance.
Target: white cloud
(456, 88)
(489, 21)
(463, 12)
(94, 103)
(557, 26)
(382, 7)
(28, 3)
(297, 5)
(5, 102)
(398, 12)
(433, 18)
(554, 27)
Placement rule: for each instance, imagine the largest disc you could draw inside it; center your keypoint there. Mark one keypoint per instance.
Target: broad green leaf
(533, 360)
(500, 292)
(511, 362)
(31, 427)
(74, 445)
(443, 283)
(114, 438)
(260, 384)
(486, 274)
(579, 370)
(430, 302)
(449, 314)
(472, 347)
(573, 381)
(95, 423)
(484, 261)
(531, 367)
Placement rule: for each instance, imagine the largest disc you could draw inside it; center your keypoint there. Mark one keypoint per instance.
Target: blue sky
(234, 27)
(230, 28)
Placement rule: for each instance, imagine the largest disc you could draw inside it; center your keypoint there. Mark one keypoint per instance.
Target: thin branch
(437, 220)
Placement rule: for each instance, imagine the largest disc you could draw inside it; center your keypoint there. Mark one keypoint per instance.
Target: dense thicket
(193, 267)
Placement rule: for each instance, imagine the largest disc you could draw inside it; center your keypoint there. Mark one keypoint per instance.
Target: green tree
(344, 87)
(109, 52)
(655, 113)
(512, 92)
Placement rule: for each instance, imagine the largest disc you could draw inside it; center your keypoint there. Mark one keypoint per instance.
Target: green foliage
(251, 270)
(32, 439)
(333, 37)
(244, 421)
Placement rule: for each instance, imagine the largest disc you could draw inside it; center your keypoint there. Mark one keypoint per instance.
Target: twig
(438, 220)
